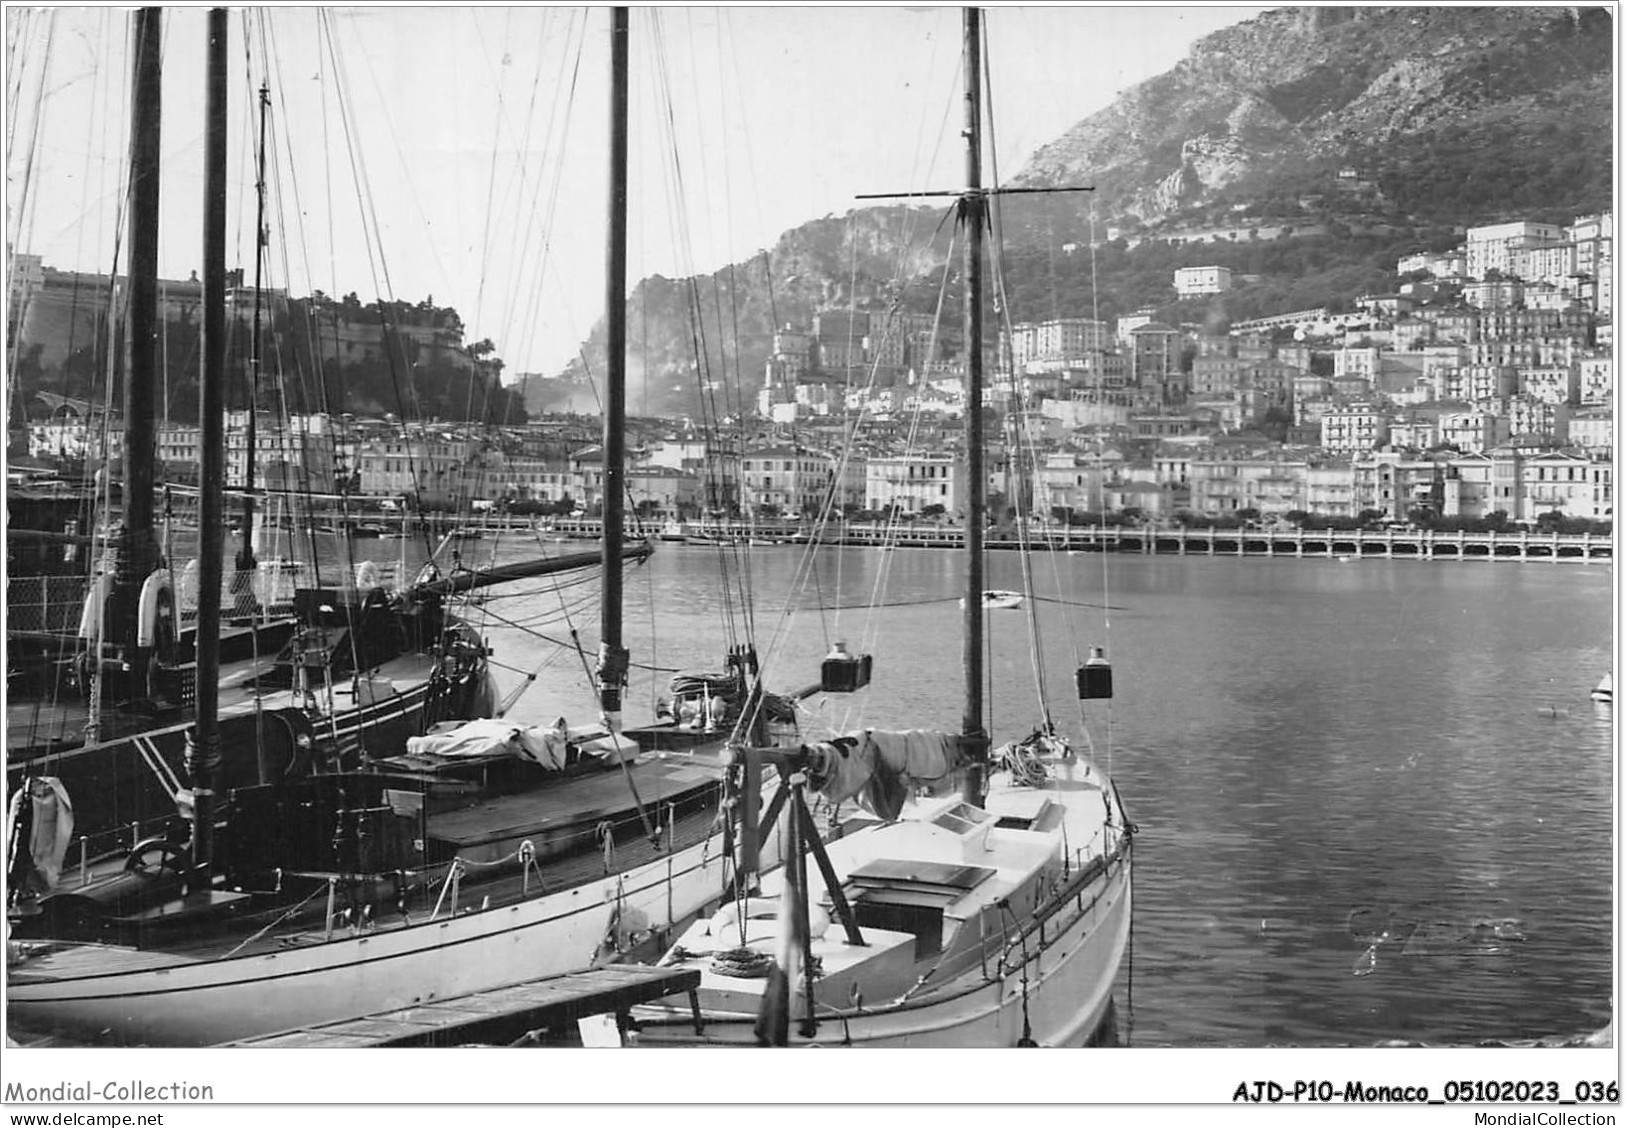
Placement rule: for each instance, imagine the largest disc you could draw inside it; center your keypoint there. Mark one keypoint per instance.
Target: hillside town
(1479, 390)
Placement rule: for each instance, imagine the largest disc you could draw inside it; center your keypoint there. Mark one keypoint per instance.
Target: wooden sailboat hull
(1065, 1001)
(1042, 922)
(132, 780)
(131, 997)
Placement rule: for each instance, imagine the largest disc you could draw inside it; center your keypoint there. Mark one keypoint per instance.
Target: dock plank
(500, 1015)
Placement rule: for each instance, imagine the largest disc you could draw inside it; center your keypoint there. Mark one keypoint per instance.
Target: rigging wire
(1028, 466)
(1105, 568)
(735, 580)
(27, 196)
(525, 290)
(807, 574)
(807, 566)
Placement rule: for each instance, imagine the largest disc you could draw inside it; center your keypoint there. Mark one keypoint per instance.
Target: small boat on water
(1605, 689)
(997, 600)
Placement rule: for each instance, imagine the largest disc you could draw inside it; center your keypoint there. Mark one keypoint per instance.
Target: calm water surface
(1375, 799)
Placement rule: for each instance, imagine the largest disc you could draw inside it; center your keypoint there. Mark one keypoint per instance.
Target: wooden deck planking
(568, 802)
(47, 959)
(501, 1015)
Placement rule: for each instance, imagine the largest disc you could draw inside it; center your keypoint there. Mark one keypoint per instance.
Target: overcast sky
(461, 152)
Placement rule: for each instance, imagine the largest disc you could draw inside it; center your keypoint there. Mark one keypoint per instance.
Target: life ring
(724, 926)
(90, 619)
(156, 610)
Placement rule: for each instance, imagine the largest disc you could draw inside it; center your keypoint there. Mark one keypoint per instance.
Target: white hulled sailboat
(987, 901)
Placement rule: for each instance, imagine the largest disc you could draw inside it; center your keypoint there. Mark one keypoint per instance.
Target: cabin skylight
(961, 818)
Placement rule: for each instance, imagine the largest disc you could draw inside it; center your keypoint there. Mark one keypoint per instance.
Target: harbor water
(1375, 800)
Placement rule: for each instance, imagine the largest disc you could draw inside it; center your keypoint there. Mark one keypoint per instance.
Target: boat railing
(114, 842)
(45, 604)
(54, 605)
(1025, 943)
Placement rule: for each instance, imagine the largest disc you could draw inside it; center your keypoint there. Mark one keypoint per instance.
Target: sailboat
(321, 899)
(1604, 690)
(986, 904)
(102, 701)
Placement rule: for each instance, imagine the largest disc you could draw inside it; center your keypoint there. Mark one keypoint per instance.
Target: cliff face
(710, 336)
(1300, 90)
(1396, 119)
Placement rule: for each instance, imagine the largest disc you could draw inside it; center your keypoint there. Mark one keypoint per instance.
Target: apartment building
(1056, 343)
(1596, 379)
(1154, 361)
(1194, 281)
(1530, 420)
(1357, 427)
(1551, 383)
(1361, 361)
(436, 469)
(535, 479)
(1473, 382)
(839, 336)
(1395, 484)
(1492, 247)
(787, 478)
(660, 491)
(1472, 429)
(914, 481)
(1217, 375)
(1220, 486)
(1544, 262)
(1494, 294)
(1591, 430)
(1565, 483)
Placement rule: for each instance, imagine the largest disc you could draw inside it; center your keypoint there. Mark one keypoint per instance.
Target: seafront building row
(1155, 474)
(1484, 385)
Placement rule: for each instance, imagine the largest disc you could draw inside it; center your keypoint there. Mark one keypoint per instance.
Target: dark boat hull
(124, 787)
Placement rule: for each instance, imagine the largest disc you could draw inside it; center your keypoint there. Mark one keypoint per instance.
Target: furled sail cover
(879, 768)
(39, 829)
(546, 746)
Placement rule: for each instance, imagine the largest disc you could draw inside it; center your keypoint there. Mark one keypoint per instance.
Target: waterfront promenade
(1357, 544)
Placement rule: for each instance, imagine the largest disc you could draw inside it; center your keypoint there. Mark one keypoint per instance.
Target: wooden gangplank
(500, 1016)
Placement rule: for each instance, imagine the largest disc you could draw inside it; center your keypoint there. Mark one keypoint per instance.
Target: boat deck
(31, 723)
(577, 800)
(501, 1016)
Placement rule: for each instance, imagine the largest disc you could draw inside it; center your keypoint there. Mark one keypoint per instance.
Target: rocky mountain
(709, 337)
(1444, 110)
(1340, 137)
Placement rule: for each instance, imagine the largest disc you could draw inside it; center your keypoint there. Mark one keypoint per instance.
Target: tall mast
(138, 557)
(245, 556)
(203, 760)
(971, 204)
(612, 657)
